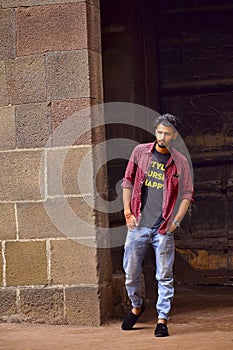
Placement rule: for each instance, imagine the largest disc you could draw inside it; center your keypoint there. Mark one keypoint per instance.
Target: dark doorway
(196, 80)
(177, 57)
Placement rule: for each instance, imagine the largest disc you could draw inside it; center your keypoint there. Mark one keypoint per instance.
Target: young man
(157, 191)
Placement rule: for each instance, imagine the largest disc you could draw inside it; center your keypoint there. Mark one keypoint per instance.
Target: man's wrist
(177, 223)
(128, 214)
(127, 210)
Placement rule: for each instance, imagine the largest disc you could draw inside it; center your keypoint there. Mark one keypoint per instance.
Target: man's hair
(167, 120)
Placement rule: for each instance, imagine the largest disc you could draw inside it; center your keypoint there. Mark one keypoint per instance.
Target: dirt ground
(202, 318)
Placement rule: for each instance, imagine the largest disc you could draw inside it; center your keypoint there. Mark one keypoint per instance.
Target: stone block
(3, 85)
(96, 75)
(68, 75)
(26, 263)
(32, 125)
(94, 28)
(69, 112)
(61, 217)
(20, 175)
(73, 263)
(7, 221)
(7, 36)
(7, 304)
(104, 265)
(1, 267)
(17, 3)
(42, 305)
(67, 173)
(55, 28)
(34, 222)
(106, 303)
(120, 298)
(82, 306)
(26, 80)
(86, 218)
(7, 128)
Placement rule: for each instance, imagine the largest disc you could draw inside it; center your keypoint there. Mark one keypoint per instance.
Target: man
(157, 191)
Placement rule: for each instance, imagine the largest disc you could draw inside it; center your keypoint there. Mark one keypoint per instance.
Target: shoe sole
(161, 335)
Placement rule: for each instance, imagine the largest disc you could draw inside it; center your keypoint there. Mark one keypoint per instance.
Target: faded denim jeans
(136, 245)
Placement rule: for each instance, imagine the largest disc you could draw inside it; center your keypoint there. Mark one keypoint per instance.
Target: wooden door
(195, 51)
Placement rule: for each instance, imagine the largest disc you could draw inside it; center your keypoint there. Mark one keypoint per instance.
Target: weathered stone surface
(32, 125)
(26, 263)
(7, 128)
(66, 113)
(7, 36)
(72, 263)
(26, 80)
(93, 28)
(85, 212)
(55, 28)
(42, 305)
(7, 303)
(7, 221)
(67, 75)
(20, 175)
(61, 217)
(1, 267)
(120, 298)
(82, 306)
(17, 3)
(3, 85)
(67, 174)
(104, 265)
(106, 302)
(34, 222)
(96, 75)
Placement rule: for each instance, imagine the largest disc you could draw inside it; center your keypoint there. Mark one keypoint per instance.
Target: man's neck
(161, 150)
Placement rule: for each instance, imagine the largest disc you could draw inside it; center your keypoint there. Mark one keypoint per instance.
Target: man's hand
(131, 221)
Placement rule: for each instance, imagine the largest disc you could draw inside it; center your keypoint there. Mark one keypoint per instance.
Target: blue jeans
(136, 245)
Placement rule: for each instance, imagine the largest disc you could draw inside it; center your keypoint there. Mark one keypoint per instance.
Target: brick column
(50, 68)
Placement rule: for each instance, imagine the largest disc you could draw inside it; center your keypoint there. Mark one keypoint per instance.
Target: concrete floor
(202, 318)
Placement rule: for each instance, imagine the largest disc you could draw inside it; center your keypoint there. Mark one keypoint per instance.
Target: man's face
(164, 135)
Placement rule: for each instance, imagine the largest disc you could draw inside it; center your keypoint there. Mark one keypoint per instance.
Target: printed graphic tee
(152, 191)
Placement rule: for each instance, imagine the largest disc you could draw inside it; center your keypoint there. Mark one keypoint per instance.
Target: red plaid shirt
(178, 182)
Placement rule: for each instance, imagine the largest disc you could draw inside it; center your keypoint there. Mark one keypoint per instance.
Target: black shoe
(161, 330)
(131, 319)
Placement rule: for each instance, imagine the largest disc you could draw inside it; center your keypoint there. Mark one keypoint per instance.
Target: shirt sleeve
(130, 172)
(186, 186)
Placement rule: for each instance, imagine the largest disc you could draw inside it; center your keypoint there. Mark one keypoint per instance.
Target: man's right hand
(131, 221)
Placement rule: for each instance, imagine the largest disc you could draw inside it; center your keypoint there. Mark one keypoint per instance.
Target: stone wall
(50, 68)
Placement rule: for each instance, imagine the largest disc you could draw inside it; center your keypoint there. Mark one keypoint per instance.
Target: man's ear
(175, 135)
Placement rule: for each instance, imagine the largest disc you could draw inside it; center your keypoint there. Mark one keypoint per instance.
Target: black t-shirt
(152, 191)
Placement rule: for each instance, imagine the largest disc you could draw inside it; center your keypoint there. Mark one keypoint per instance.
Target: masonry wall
(50, 69)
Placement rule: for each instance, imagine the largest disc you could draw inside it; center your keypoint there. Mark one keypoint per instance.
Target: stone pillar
(50, 68)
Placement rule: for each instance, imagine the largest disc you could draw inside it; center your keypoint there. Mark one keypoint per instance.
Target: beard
(161, 146)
